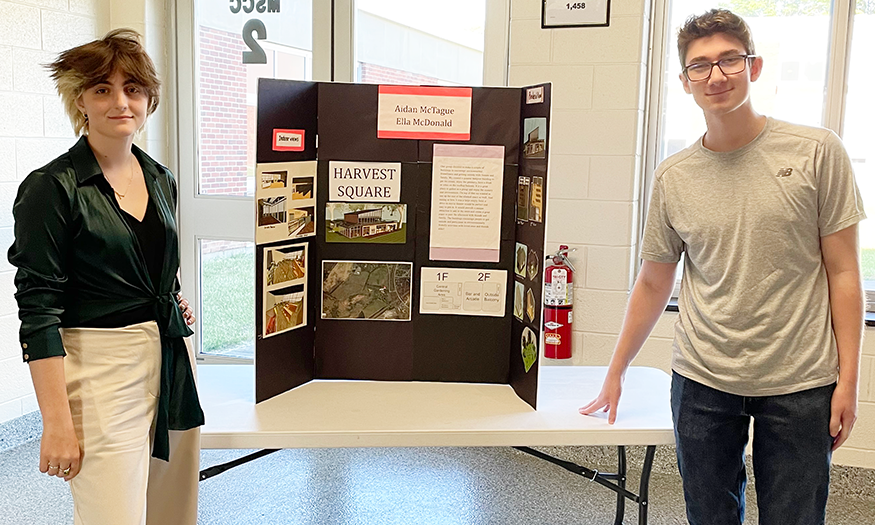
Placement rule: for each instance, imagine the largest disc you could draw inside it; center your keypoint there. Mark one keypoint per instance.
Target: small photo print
(284, 310)
(272, 210)
(366, 290)
(537, 191)
(518, 293)
(522, 202)
(302, 222)
(535, 138)
(302, 188)
(273, 180)
(285, 265)
(530, 305)
(520, 258)
(285, 193)
(533, 265)
(285, 287)
(528, 348)
(377, 223)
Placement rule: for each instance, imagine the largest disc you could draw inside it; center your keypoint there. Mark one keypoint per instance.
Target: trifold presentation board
(399, 233)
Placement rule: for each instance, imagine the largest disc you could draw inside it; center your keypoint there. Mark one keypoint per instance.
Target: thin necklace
(130, 180)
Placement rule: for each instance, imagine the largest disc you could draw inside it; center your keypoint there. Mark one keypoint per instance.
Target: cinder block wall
(33, 130)
(599, 80)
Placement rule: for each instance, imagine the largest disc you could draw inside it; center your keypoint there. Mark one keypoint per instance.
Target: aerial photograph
(366, 290)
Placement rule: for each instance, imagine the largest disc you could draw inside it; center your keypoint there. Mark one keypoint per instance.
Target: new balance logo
(785, 172)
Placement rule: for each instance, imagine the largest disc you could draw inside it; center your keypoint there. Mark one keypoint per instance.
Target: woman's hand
(59, 448)
(59, 451)
(187, 312)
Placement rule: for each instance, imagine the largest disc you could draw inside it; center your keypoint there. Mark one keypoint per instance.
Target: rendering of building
(534, 147)
(366, 223)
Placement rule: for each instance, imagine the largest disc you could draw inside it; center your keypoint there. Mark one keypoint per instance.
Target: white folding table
(340, 413)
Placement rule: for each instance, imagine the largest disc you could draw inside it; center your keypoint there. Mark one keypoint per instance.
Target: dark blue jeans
(791, 453)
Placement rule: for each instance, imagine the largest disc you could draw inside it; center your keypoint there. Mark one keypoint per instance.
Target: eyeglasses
(731, 65)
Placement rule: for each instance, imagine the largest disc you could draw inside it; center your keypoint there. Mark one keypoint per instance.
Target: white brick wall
(62, 30)
(33, 130)
(573, 85)
(85, 7)
(28, 73)
(7, 160)
(21, 26)
(5, 68)
(22, 115)
(599, 78)
(860, 447)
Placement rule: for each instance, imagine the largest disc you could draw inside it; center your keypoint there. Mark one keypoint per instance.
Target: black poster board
(321, 123)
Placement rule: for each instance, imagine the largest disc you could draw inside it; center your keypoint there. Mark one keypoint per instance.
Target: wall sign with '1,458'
(562, 13)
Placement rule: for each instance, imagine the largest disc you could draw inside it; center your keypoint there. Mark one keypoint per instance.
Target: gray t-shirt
(754, 302)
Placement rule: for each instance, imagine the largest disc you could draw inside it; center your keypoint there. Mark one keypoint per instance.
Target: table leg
(207, 473)
(621, 482)
(644, 486)
(615, 482)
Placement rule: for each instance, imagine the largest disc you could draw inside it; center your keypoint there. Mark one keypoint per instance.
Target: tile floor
(406, 486)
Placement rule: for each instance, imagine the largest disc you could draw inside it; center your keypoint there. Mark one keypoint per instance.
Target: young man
(771, 303)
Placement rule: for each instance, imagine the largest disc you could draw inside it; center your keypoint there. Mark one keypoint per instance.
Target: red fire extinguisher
(558, 293)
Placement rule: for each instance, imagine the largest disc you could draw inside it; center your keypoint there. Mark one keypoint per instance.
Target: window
(226, 87)
(812, 50)
(216, 173)
(858, 133)
(404, 42)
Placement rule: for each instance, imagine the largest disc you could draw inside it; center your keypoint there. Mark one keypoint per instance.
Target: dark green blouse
(79, 261)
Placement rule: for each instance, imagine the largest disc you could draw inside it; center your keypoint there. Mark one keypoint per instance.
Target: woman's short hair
(85, 66)
(710, 23)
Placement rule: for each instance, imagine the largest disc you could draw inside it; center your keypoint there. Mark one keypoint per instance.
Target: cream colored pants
(113, 378)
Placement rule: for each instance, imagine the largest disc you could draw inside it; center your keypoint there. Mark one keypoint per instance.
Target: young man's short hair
(85, 66)
(710, 23)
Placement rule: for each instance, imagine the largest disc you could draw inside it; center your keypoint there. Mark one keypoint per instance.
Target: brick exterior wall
(374, 74)
(225, 130)
(209, 246)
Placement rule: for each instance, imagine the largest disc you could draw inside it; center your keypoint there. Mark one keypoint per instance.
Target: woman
(102, 321)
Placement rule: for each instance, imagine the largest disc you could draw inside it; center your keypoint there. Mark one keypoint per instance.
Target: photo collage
(530, 226)
(285, 288)
(285, 196)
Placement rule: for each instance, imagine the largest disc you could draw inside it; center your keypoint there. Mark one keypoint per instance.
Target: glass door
(223, 48)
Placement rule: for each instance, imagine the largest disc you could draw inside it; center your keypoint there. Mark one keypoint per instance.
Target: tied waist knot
(178, 404)
(170, 319)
